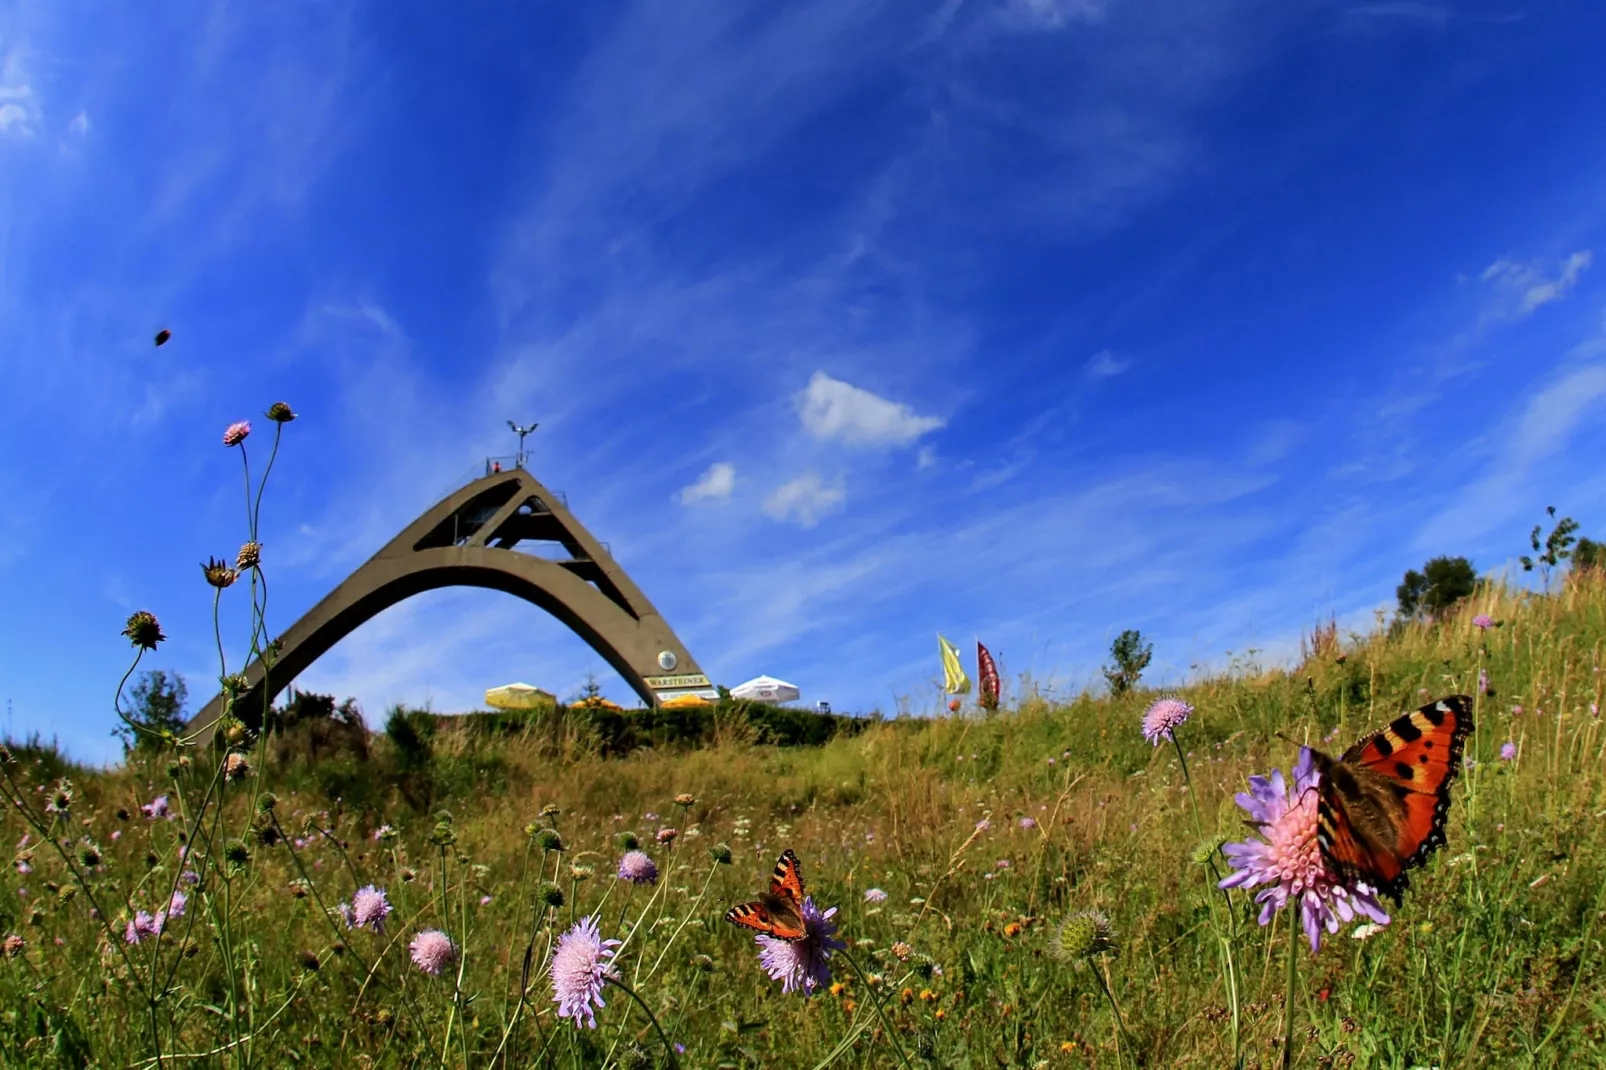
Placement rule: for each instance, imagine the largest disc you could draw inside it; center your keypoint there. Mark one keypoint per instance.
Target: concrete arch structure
(467, 540)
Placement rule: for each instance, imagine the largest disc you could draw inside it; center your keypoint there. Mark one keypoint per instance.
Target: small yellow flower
(1012, 929)
(850, 1006)
(837, 988)
(907, 996)
(1068, 1047)
(941, 1014)
(927, 995)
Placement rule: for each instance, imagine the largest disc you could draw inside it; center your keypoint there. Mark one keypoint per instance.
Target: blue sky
(844, 322)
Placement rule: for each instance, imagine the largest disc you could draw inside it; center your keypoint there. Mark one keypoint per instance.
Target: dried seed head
(143, 630)
(249, 557)
(218, 573)
(280, 413)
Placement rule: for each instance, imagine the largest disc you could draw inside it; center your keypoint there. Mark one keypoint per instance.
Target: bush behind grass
(1495, 958)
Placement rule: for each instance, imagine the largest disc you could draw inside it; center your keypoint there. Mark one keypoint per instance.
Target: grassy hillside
(1494, 959)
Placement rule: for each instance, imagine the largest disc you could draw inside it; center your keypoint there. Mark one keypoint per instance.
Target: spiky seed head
(1083, 935)
(249, 557)
(550, 810)
(549, 840)
(88, 855)
(580, 872)
(236, 853)
(685, 798)
(702, 963)
(144, 630)
(721, 853)
(627, 841)
(280, 413)
(267, 802)
(218, 573)
(551, 895)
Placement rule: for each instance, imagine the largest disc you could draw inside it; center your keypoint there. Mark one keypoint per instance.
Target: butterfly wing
(787, 880)
(778, 912)
(1383, 807)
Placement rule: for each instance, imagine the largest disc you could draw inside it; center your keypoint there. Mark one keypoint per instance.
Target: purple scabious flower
(156, 809)
(144, 924)
(581, 965)
(1289, 860)
(875, 895)
(1483, 682)
(802, 964)
(1028, 823)
(369, 908)
(637, 868)
(1483, 622)
(1163, 718)
(177, 905)
(236, 433)
(1508, 751)
(432, 951)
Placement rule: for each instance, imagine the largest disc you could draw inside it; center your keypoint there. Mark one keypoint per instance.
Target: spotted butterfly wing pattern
(1382, 808)
(779, 911)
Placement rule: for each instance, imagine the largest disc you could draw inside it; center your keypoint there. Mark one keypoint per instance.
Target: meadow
(1035, 887)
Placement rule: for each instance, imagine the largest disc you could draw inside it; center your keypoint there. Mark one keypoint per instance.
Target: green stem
(1120, 1022)
(1288, 994)
(879, 1009)
(669, 1049)
(1224, 940)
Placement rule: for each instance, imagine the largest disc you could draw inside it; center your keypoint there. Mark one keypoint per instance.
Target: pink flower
(580, 967)
(1028, 823)
(802, 965)
(432, 951)
(1163, 719)
(1483, 622)
(1508, 751)
(1289, 860)
(236, 433)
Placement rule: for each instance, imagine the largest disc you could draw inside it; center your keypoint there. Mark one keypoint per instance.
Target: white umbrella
(766, 689)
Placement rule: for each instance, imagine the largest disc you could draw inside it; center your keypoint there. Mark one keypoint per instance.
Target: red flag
(987, 675)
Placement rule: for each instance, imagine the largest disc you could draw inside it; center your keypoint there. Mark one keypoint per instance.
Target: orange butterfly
(1383, 806)
(779, 911)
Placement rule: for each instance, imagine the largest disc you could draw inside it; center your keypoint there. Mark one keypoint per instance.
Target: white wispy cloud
(833, 409)
(1104, 365)
(1546, 423)
(1523, 287)
(806, 499)
(1052, 14)
(19, 104)
(714, 485)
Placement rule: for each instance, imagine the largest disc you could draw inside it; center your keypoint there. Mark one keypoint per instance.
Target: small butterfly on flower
(1383, 806)
(779, 911)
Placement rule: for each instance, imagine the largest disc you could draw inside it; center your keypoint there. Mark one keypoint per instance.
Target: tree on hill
(1556, 548)
(1442, 583)
(1589, 554)
(156, 706)
(1131, 655)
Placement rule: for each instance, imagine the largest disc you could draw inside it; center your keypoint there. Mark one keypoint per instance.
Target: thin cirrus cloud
(1104, 365)
(714, 485)
(833, 409)
(1520, 287)
(806, 499)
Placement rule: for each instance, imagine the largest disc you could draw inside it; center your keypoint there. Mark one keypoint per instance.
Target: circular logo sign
(667, 660)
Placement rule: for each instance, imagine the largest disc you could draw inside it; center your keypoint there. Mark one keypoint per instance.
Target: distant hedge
(618, 732)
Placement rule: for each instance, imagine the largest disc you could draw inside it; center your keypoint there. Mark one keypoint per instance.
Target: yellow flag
(955, 682)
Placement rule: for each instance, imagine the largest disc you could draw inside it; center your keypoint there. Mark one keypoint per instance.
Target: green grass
(1495, 958)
